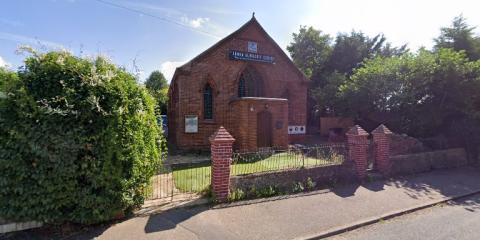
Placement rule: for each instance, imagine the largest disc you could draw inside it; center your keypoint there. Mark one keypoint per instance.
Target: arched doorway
(264, 129)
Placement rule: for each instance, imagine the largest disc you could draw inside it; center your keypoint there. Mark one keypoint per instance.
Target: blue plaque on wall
(246, 56)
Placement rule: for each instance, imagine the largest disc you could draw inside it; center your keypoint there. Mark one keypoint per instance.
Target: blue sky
(182, 29)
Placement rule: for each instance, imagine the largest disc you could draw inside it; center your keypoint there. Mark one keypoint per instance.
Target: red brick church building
(246, 83)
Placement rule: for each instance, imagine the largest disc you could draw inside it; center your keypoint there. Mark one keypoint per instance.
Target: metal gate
(181, 181)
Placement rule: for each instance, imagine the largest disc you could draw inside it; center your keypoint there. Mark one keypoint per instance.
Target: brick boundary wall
(354, 167)
(381, 140)
(221, 153)
(427, 161)
(358, 149)
(323, 176)
(327, 176)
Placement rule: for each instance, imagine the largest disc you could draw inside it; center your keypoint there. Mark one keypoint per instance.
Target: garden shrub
(236, 195)
(310, 184)
(267, 191)
(78, 140)
(297, 187)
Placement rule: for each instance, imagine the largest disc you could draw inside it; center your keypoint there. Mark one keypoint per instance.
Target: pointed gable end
(242, 77)
(252, 23)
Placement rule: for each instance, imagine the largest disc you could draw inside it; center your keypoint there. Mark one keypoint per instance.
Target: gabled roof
(252, 21)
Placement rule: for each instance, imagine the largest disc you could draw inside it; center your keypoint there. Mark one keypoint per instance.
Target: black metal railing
(181, 180)
(267, 160)
(192, 179)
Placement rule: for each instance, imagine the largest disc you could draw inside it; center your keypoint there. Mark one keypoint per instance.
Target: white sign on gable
(252, 47)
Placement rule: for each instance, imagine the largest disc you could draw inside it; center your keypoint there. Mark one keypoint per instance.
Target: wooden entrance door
(264, 129)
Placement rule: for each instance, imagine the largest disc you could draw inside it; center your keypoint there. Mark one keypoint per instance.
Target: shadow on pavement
(471, 204)
(171, 218)
(346, 190)
(157, 222)
(447, 182)
(375, 186)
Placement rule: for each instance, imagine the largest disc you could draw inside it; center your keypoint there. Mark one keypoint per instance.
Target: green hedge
(78, 140)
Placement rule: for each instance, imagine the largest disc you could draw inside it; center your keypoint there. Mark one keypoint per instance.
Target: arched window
(208, 102)
(250, 84)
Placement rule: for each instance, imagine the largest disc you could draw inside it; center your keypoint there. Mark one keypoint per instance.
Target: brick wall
(244, 125)
(352, 169)
(215, 67)
(326, 123)
(381, 142)
(358, 149)
(221, 149)
(404, 144)
(324, 176)
(427, 161)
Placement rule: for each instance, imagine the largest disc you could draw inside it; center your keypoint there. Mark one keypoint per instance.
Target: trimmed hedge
(78, 140)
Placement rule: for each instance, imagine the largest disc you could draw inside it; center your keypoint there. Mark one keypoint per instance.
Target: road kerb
(372, 220)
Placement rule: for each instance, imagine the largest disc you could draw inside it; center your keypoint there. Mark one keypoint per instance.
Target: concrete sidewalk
(300, 216)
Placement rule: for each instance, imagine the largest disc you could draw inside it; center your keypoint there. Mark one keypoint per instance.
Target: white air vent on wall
(296, 129)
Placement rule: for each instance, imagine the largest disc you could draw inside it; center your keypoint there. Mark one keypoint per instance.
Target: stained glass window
(241, 87)
(250, 84)
(207, 102)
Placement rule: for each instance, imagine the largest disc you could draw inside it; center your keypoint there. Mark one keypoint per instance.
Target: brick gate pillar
(381, 139)
(221, 143)
(357, 149)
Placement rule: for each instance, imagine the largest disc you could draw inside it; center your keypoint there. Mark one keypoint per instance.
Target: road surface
(454, 220)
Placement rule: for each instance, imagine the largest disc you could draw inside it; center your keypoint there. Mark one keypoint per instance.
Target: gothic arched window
(208, 102)
(250, 84)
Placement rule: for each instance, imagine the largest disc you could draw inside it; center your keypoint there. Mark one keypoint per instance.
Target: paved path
(300, 216)
(454, 220)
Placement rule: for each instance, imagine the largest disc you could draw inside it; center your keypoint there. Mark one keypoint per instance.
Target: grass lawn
(197, 179)
(193, 179)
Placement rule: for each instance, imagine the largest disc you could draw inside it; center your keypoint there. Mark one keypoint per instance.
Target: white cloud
(4, 63)
(202, 25)
(195, 23)
(30, 40)
(168, 68)
(170, 13)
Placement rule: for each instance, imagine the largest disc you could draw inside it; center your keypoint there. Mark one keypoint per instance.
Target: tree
(156, 81)
(388, 50)
(327, 94)
(350, 50)
(79, 140)
(329, 65)
(310, 50)
(459, 36)
(419, 94)
(157, 85)
(5, 75)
